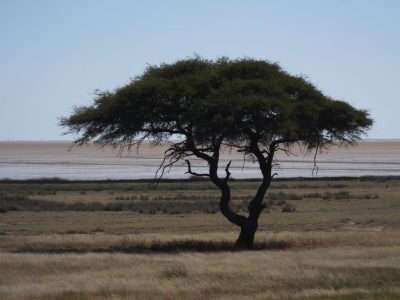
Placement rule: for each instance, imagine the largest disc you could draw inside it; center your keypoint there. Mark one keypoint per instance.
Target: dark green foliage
(228, 99)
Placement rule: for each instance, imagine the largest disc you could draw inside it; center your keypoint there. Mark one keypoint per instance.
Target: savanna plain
(317, 239)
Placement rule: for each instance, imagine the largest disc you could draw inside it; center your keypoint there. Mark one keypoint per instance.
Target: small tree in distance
(204, 105)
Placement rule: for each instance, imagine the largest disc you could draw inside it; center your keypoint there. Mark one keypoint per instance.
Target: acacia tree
(205, 105)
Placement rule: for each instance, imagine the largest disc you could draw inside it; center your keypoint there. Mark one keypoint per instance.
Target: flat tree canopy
(203, 105)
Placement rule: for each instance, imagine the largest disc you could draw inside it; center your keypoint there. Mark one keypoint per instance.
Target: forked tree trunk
(248, 226)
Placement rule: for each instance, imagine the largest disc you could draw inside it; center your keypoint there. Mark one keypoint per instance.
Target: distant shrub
(288, 208)
(19, 202)
(341, 195)
(123, 198)
(336, 185)
(368, 196)
(80, 206)
(46, 192)
(312, 195)
(284, 196)
(347, 195)
(327, 196)
(280, 203)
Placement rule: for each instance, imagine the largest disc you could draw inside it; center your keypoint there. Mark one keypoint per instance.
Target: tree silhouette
(204, 105)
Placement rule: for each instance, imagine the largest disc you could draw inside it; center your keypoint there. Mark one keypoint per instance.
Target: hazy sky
(54, 54)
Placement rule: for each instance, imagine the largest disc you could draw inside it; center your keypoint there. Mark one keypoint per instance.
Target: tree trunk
(248, 226)
(246, 236)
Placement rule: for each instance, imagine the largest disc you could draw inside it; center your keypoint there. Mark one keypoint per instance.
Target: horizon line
(71, 141)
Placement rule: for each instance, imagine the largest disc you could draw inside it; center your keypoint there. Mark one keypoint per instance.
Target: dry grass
(206, 242)
(313, 265)
(340, 273)
(345, 246)
(352, 204)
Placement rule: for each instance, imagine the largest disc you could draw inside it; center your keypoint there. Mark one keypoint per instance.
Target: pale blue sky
(54, 54)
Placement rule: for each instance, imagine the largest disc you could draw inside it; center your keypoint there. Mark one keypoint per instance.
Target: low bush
(367, 196)
(288, 208)
(313, 195)
(19, 202)
(284, 196)
(24, 203)
(280, 202)
(336, 185)
(341, 195)
(327, 196)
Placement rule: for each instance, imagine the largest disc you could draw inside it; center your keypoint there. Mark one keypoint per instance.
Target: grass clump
(176, 270)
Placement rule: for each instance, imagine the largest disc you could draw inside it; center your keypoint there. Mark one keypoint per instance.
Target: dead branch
(228, 174)
(189, 171)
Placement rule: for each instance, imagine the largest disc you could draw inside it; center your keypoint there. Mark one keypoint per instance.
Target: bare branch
(244, 160)
(315, 167)
(276, 165)
(189, 171)
(190, 145)
(288, 152)
(165, 168)
(264, 151)
(172, 155)
(228, 174)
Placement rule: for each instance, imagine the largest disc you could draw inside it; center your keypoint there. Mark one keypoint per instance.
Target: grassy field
(318, 239)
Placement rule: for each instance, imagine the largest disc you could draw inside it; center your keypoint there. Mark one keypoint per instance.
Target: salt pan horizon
(33, 160)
